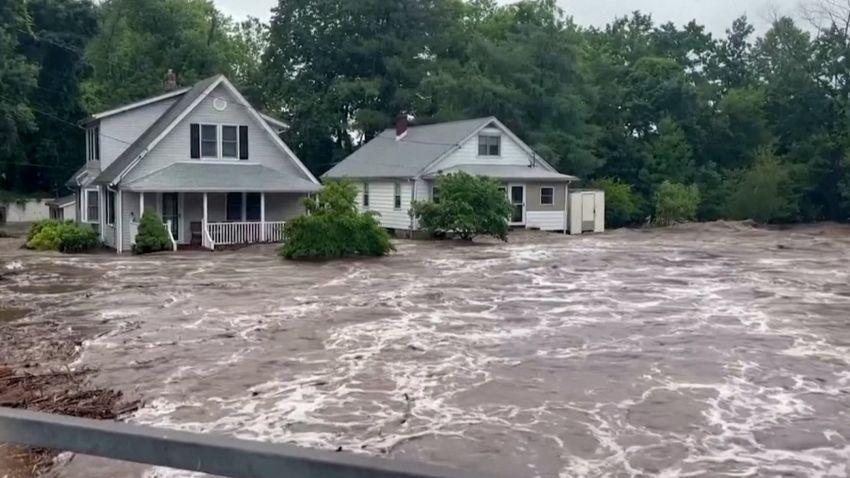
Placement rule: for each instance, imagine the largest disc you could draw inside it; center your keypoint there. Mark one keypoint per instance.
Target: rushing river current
(705, 350)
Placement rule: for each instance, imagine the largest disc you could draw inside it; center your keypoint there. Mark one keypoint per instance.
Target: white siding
(119, 131)
(175, 147)
(545, 220)
(511, 153)
(382, 201)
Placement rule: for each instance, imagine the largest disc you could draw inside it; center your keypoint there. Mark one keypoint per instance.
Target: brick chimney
(401, 126)
(170, 83)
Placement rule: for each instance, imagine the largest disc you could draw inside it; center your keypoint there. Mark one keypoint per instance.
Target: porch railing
(170, 235)
(228, 233)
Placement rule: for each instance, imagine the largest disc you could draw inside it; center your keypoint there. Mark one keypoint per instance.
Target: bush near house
(152, 235)
(675, 203)
(467, 206)
(621, 203)
(333, 227)
(62, 236)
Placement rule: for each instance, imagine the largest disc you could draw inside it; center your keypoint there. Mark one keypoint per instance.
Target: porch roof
(222, 177)
(507, 172)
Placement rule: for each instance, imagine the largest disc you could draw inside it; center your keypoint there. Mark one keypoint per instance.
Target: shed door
(588, 211)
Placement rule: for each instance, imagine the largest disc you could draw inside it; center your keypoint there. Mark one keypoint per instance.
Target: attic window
(489, 145)
(93, 144)
(209, 141)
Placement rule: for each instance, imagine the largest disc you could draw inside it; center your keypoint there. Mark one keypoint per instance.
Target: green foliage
(676, 203)
(763, 192)
(140, 40)
(62, 236)
(152, 235)
(468, 206)
(333, 227)
(621, 203)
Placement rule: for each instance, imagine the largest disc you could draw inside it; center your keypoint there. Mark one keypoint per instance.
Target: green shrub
(675, 203)
(61, 236)
(762, 192)
(333, 227)
(621, 203)
(152, 235)
(468, 206)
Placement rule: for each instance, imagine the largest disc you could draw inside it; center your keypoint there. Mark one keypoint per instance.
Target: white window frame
(217, 140)
(93, 143)
(85, 211)
(396, 195)
(221, 142)
(499, 144)
(366, 198)
(553, 196)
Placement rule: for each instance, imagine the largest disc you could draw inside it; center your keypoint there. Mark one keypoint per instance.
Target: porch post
(205, 214)
(262, 217)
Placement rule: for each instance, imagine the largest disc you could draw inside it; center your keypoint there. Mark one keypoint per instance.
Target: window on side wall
(489, 145)
(397, 196)
(230, 142)
(93, 144)
(234, 207)
(209, 141)
(547, 196)
(110, 208)
(92, 209)
(435, 195)
(365, 194)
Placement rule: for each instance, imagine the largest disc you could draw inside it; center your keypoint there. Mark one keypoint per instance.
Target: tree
(467, 206)
(18, 78)
(140, 40)
(671, 157)
(676, 203)
(763, 192)
(341, 70)
(333, 227)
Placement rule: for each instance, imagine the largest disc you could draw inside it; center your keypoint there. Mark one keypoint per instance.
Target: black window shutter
(194, 141)
(243, 142)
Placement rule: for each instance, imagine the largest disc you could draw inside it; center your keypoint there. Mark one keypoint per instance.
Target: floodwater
(705, 350)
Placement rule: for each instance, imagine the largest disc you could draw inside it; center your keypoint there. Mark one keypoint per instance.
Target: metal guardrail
(199, 452)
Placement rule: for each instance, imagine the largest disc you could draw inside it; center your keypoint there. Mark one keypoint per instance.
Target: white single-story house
(400, 166)
(206, 161)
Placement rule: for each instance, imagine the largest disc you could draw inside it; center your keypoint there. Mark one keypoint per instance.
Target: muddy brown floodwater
(705, 350)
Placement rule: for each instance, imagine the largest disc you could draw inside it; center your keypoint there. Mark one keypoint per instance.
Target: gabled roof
(386, 157)
(63, 201)
(420, 149)
(126, 158)
(176, 112)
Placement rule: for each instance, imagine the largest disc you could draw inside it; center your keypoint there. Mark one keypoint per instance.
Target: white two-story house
(400, 166)
(208, 163)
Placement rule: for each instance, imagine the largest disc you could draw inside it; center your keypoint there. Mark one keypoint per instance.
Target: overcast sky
(717, 15)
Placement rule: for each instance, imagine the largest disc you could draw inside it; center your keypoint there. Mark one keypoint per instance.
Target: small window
(365, 194)
(229, 142)
(489, 145)
(397, 196)
(435, 195)
(253, 204)
(93, 144)
(234, 207)
(110, 208)
(92, 206)
(209, 141)
(547, 196)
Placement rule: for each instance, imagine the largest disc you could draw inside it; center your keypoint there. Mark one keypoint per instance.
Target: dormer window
(489, 145)
(93, 144)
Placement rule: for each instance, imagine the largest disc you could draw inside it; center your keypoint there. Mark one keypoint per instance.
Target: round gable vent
(220, 104)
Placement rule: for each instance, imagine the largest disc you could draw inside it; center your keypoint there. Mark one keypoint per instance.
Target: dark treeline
(760, 125)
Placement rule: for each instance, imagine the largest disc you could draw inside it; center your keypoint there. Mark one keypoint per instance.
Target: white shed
(587, 211)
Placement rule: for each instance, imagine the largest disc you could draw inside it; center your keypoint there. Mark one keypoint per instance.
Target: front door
(517, 197)
(171, 212)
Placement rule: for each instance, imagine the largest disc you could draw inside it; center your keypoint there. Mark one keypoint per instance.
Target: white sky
(716, 15)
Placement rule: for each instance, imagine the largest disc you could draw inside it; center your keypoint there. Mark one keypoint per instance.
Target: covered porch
(216, 219)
